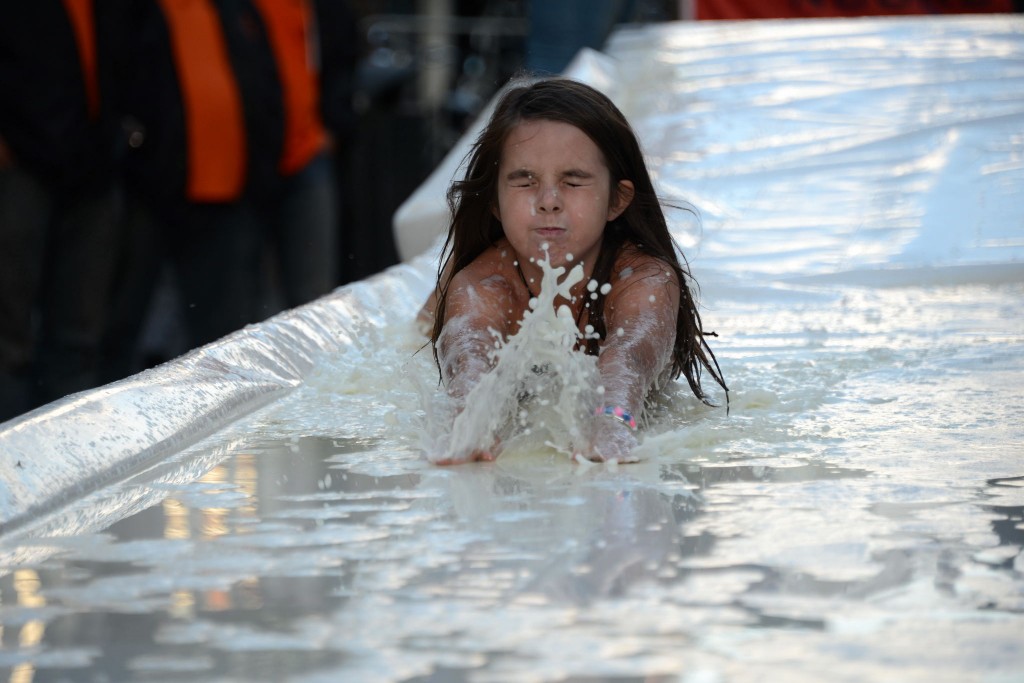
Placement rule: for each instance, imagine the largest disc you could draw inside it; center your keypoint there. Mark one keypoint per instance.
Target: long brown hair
(642, 226)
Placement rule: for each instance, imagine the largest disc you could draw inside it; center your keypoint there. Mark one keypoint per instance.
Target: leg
(216, 251)
(305, 234)
(135, 281)
(25, 210)
(76, 294)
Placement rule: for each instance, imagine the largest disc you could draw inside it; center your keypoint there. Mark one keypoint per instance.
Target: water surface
(858, 515)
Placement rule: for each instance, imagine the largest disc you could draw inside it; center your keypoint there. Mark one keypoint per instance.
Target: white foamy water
(539, 393)
(857, 516)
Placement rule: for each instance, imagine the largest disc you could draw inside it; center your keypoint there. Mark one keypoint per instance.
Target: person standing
(58, 237)
(228, 157)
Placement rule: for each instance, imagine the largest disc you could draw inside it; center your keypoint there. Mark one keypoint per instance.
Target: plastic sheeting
(789, 138)
(62, 451)
(910, 130)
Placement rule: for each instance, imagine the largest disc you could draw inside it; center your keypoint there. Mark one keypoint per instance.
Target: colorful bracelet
(619, 414)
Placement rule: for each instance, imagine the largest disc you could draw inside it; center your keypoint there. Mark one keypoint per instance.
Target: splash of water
(540, 390)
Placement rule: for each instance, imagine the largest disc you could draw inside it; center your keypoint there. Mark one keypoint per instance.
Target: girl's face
(555, 188)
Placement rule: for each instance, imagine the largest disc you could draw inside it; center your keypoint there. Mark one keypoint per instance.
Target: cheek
(502, 208)
(596, 207)
(517, 207)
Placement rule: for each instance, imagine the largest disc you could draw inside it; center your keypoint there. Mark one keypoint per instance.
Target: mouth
(549, 231)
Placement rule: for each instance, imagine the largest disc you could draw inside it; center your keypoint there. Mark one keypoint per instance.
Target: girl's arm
(476, 310)
(640, 318)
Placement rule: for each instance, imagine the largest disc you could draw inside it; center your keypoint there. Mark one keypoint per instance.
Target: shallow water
(858, 515)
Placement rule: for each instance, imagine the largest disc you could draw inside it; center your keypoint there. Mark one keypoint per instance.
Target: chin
(555, 252)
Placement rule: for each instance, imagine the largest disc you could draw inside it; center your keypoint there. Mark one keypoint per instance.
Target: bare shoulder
(488, 291)
(634, 269)
(489, 273)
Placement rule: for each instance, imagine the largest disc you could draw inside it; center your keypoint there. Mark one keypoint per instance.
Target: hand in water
(477, 455)
(611, 441)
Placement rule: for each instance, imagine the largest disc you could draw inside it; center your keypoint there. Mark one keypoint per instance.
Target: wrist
(618, 413)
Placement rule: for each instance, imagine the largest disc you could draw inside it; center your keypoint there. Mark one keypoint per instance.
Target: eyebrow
(521, 173)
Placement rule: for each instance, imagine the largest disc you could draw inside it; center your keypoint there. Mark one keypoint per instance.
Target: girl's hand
(611, 441)
(478, 455)
(475, 456)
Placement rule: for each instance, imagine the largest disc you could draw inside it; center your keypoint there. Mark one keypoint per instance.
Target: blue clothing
(558, 30)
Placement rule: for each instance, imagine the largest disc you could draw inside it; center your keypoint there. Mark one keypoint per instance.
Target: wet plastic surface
(858, 514)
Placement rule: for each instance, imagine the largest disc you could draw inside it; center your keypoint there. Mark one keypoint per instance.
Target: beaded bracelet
(619, 414)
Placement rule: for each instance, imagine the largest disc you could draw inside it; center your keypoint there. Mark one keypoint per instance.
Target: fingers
(475, 456)
(611, 441)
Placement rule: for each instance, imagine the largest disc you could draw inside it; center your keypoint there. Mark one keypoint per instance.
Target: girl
(558, 175)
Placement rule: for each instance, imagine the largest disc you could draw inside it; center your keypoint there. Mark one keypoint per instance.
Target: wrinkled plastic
(82, 442)
(788, 138)
(853, 149)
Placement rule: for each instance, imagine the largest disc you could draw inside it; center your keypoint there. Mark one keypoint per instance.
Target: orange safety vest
(288, 29)
(211, 99)
(83, 22)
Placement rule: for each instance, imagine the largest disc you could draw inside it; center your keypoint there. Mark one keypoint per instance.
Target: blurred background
(173, 170)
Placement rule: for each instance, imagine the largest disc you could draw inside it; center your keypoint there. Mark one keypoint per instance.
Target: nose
(549, 201)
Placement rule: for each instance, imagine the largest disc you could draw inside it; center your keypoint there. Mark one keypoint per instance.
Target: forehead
(540, 144)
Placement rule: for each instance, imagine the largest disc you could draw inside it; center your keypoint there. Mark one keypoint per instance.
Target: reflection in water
(319, 555)
(271, 541)
(572, 537)
(292, 559)
(1006, 496)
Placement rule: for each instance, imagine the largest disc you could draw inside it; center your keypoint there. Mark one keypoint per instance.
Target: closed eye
(520, 178)
(577, 178)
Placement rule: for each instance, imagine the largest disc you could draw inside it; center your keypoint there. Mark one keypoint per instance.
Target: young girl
(558, 175)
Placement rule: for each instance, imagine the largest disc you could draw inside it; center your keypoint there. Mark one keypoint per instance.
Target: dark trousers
(303, 229)
(214, 254)
(57, 254)
(232, 264)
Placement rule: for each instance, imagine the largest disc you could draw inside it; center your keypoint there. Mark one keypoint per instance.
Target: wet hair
(641, 227)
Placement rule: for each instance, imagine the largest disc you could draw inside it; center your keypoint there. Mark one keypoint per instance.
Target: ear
(623, 196)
